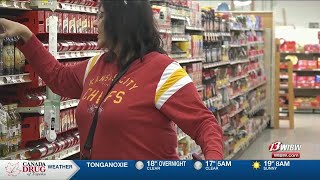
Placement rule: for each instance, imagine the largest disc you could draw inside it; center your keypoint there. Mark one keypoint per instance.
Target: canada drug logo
(34, 168)
(280, 150)
(29, 168)
(12, 169)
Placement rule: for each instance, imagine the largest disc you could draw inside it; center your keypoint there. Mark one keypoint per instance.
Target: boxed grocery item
(302, 81)
(302, 64)
(72, 23)
(65, 22)
(47, 16)
(93, 29)
(312, 64)
(60, 22)
(79, 23)
(84, 22)
(317, 80)
(311, 81)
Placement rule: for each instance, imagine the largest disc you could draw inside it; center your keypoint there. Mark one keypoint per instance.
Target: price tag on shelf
(7, 80)
(81, 8)
(23, 5)
(19, 79)
(67, 7)
(90, 9)
(16, 4)
(78, 54)
(73, 54)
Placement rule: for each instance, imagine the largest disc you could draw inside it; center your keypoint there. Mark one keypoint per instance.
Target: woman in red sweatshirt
(135, 119)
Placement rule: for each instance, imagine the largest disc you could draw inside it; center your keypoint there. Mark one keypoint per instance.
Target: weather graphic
(256, 165)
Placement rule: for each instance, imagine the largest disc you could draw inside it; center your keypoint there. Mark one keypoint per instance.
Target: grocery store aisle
(306, 133)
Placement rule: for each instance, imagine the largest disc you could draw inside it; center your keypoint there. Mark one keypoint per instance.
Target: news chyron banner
(66, 169)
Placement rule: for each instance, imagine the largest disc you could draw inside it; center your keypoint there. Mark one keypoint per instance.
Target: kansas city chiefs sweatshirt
(137, 118)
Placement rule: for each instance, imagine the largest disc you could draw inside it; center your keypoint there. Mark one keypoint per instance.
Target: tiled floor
(306, 133)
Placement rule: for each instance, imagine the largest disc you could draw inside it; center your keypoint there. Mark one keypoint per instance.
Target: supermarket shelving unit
(305, 91)
(283, 90)
(51, 101)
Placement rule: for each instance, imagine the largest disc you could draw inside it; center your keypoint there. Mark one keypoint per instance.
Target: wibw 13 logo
(279, 146)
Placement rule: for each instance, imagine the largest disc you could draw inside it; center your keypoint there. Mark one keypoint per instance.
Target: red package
(311, 81)
(312, 64)
(84, 22)
(93, 29)
(65, 23)
(79, 23)
(72, 23)
(302, 64)
(60, 23)
(301, 81)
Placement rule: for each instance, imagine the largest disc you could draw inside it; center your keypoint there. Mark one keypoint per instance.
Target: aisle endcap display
(14, 79)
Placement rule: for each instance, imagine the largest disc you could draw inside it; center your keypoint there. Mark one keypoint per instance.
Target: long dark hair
(129, 24)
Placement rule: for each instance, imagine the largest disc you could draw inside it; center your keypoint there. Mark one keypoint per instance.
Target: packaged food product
(65, 23)
(72, 23)
(79, 23)
(84, 22)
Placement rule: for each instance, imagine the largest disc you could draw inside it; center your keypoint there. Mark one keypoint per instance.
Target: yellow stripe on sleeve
(173, 79)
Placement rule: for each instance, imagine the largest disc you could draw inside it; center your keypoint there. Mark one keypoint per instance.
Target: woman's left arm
(178, 99)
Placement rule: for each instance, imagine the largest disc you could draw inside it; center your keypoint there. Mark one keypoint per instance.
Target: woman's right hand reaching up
(10, 29)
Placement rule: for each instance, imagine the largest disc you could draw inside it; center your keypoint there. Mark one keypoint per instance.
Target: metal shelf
(254, 70)
(215, 64)
(14, 79)
(257, 108)
(64, 153)
(238, 78)
(213, 99)
(189, 60)
(239, 61)
(236, 112)
(256, 43)
(248, 90)
(40, 109)
(256, 56)
(306, 70)
(223, 86)
(183, 18)
(179, 38)
(194, 28)
(238, 45)
(167, 31)
(247, 141)
(78, 54)
(67, 7)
